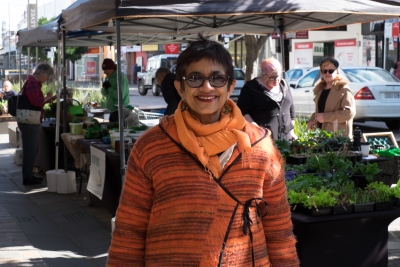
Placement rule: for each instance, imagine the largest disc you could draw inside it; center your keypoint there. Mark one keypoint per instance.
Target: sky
(12, 10)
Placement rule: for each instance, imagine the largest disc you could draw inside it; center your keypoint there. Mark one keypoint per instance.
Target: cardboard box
(14, 135)
(18, 156)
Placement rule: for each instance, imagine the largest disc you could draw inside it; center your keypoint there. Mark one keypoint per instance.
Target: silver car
(376, 93)
(293, 75)
(239, 76)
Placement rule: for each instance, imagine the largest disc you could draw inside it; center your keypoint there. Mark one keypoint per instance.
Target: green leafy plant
(369, 170)
(320, 198)
(363, 196)
(380, 192)
(283, 146)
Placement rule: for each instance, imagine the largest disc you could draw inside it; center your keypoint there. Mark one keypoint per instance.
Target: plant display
(328, 182)
(380, 192)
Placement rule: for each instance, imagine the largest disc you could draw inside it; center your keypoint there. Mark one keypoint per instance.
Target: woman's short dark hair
(200, 49)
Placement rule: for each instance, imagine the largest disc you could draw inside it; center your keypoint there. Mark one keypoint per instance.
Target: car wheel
(142, 90)
(155, 88)
(393, 124)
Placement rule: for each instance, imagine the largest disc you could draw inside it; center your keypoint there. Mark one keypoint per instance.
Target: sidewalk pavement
(39, 228)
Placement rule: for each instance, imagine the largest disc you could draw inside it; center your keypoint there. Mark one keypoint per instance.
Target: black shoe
(35, 180)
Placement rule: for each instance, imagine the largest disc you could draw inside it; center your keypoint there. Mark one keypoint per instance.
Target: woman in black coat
(267, 101)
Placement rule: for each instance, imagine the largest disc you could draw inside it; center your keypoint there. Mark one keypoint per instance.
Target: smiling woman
(216, 195)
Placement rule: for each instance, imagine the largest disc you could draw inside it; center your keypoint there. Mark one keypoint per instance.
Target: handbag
(26, 112)
(12, 105)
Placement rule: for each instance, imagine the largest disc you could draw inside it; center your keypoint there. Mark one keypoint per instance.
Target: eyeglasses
(273, 78)
(195, 81)
(326, 71)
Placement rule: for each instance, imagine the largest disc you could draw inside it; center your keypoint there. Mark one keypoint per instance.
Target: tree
(42, 52)
(75, 53)
(253, 43)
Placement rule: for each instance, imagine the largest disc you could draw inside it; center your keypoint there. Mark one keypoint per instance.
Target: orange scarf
(206, 141)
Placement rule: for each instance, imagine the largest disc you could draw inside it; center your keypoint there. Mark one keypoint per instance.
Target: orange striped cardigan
(171, 212)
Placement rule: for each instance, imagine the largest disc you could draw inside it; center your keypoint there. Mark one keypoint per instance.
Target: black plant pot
(320, 212)
(342, 209)
(363, 207)
(296, 160)
(387, 205)
(296, 207)
(396, 202)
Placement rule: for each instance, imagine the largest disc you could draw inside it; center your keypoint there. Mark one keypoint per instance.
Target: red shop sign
(172, 49)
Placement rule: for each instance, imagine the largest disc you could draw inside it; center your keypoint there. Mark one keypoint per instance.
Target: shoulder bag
(26, 112)
(12, 105)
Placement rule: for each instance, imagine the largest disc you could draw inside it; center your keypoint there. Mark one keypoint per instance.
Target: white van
(147, 78)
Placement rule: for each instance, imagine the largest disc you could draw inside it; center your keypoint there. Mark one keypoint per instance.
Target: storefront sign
(97, 172)
(32, 16)
(303, 53)
(291, 35)
(346, 52)
(91, 67)
(395, 30)
(149, 47)
(388, 30)
(134, 48)
(171, 49)
(93, 50)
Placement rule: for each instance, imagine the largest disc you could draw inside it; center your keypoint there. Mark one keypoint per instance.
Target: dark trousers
(29, 136)
(113, 116)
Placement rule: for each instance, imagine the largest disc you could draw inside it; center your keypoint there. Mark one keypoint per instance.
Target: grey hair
(44, 68)
(7, 82)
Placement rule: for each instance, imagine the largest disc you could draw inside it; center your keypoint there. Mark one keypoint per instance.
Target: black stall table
(113, 182)
(45, 158)
(357, 239)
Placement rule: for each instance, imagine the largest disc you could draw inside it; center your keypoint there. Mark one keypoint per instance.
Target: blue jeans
(29, 135)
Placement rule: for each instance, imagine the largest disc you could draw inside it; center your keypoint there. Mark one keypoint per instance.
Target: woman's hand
(320, 118)
(310, 125)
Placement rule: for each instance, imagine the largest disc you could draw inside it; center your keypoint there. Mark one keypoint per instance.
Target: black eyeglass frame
(209, 79)
(328, 70)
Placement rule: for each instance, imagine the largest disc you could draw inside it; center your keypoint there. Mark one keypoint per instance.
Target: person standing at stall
(110, 88)
(7, 91)
(30, 131)
(204, 187)
(335, 106)
(267, 101)
(165, 79)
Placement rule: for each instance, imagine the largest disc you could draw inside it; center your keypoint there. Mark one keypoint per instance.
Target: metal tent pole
(120, 103)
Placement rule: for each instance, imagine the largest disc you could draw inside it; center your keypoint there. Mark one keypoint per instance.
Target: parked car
(239, 76)
(376, 93)
(293, 75)
(146, 80)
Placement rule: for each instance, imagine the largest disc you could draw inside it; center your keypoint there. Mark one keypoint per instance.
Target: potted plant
(296, 198)
(345, 198)
(363, 201)
(395, 190)
(364, 173)
(382, 195)
(320, 201)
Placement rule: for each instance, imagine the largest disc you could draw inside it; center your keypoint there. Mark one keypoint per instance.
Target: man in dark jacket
(165, 79)
(267, 101)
